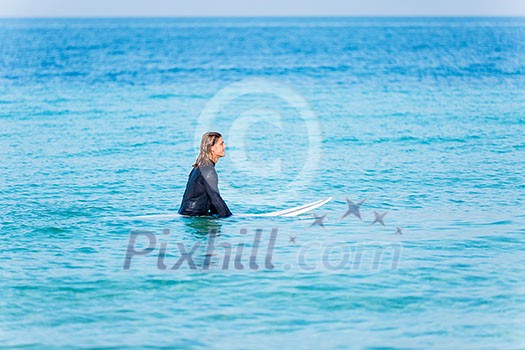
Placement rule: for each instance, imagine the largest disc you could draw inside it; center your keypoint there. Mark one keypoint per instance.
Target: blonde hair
(207, 142)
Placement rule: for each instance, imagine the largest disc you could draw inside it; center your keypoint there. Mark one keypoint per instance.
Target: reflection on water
(202, 231)
(201, 226)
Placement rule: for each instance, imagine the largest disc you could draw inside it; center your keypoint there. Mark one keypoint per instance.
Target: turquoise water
(423, 118)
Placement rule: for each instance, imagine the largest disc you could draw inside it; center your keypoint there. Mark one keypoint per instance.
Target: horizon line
(264, 16)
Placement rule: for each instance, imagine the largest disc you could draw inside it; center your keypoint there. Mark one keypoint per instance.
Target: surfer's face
(219, 148)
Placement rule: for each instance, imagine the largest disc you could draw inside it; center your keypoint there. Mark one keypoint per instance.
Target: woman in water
(202, 197)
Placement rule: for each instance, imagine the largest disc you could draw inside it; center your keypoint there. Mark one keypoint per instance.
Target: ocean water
(423, 118)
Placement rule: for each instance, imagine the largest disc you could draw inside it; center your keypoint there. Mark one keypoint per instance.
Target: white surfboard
(295, 211)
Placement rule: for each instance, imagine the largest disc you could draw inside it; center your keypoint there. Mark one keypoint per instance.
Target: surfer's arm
(211, 182)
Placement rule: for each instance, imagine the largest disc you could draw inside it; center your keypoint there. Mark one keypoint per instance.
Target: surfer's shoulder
(207, 169)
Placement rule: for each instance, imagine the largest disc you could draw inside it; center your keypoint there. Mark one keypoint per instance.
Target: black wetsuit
(202, 195)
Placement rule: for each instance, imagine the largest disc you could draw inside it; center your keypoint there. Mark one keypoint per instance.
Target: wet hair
(207, 142)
